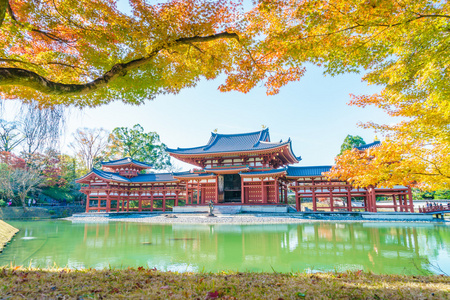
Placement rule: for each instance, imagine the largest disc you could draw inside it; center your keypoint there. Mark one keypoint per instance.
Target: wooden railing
(434, 208)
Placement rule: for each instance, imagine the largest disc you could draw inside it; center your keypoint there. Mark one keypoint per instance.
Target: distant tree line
(32, 169)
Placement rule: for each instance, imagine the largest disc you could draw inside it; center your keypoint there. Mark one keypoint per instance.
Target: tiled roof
(268, 172)
(125, 161)
(154, 177)
(140, 178)
(258, 140)
(368, 146)
(192, 175)
(106, 175)
(307, 171)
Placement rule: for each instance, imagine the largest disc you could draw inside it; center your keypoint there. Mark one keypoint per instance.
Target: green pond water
(402, 248)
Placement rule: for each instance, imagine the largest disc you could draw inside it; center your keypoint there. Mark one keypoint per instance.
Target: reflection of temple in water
(377, 247)
(318, 246)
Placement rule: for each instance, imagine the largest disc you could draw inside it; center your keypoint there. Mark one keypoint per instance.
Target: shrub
(442, 194)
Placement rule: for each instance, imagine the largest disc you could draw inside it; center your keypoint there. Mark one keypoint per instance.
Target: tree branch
(357, 25)
(3, 7)
(26, 78)
(45, 33)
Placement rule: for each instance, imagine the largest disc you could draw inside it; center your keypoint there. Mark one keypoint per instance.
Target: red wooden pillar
(187, 193)
(263, 194)
(405, 197)
(108, 202)
(198, 192)
(140, 200)
(285, 194)
(87, 201)
(98, 201)
(331, 200)
(217, 189)
(164, 200)
(277, 191)
(349, 199)
(280, 200)
(298, 203)
(314, 199)
(128, 201)
(243, 190)
(152, 190)
(118, 201)
(176, 197)
(366, 196)
(394, 202)
(405, 202)
(400, 201)
(374, 201)
(411, 204)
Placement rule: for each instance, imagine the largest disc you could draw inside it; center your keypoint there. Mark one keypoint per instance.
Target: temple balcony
(128, 173)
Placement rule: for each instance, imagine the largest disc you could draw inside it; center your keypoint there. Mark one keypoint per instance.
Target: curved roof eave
(275, 146)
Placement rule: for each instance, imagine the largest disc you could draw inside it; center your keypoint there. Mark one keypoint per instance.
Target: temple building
(244, 169)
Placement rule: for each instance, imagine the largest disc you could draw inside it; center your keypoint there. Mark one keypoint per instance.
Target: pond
(401, 248)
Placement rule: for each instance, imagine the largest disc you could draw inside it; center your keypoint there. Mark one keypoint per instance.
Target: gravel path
(227, 219)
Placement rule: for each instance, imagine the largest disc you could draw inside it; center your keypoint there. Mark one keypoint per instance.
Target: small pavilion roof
(368, 146)
(140, 178)
(224, 143)
(126, 161)
(307, 171)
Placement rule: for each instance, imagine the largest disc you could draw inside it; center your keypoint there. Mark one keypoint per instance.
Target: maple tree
(90, 53)
(401, 46)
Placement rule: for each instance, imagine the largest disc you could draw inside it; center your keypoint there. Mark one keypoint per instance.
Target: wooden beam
(140, 199)
(349, 199)
(87, 201)
(411, 204)
(314, 199)
(108, 202)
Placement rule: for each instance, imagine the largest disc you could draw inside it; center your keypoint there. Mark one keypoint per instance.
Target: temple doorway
(232, 188)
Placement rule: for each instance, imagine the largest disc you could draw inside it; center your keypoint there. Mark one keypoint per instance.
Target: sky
(312, 112)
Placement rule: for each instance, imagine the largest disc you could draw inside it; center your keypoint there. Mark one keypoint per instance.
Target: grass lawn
(142, 283)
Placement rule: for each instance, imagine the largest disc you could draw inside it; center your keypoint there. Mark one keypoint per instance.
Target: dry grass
(141, 283)
(6, 233)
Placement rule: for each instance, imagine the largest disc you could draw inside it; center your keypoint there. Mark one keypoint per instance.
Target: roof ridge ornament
(261, 138)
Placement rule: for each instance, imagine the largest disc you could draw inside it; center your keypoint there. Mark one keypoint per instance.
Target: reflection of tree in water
(378, 247)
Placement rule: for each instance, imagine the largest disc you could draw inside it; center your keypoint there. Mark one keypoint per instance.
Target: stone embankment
(6, 233)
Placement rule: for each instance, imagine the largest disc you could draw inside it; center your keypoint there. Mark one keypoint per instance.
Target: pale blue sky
(312, 112)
